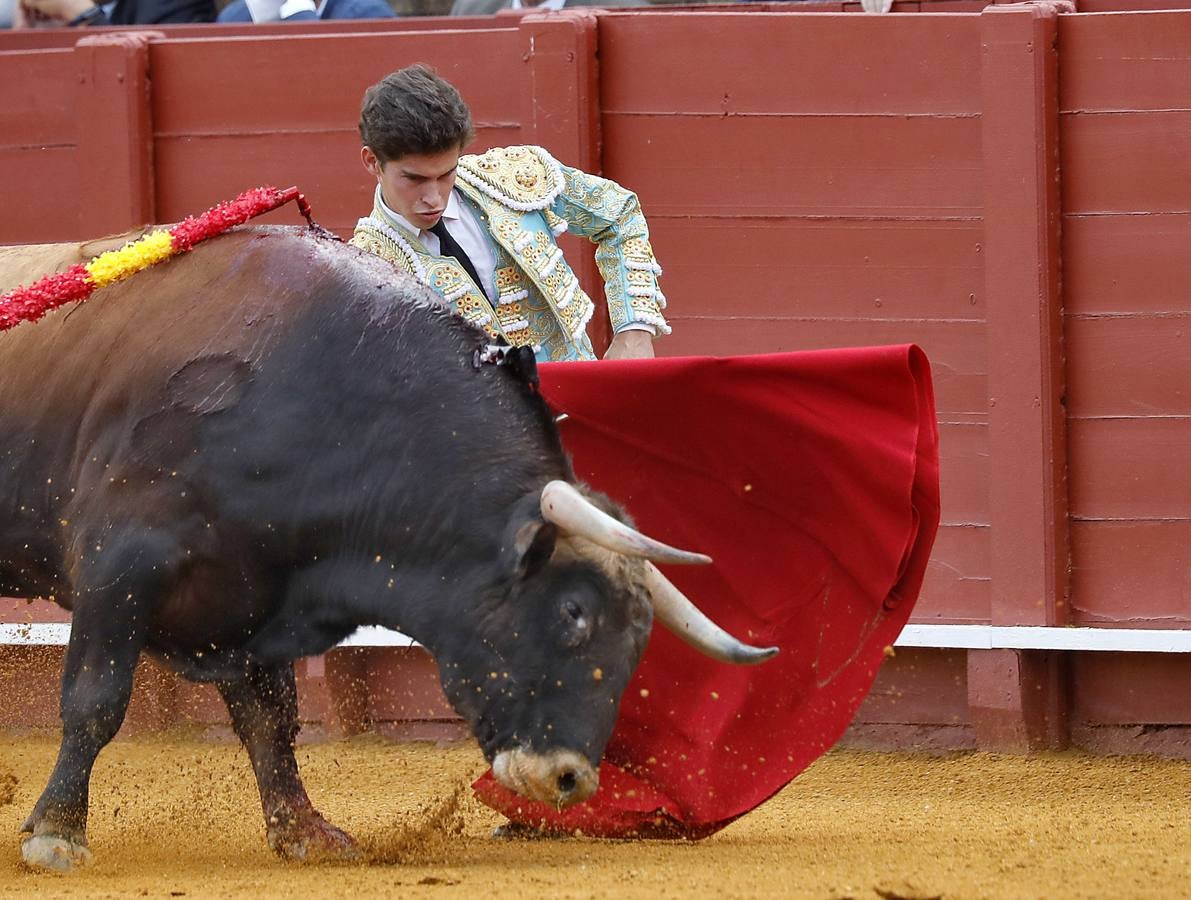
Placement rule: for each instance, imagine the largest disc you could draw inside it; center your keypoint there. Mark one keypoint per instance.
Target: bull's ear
(533, 546)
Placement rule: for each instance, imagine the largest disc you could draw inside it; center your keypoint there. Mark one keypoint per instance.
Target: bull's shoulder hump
(300, 248)
(300, 253)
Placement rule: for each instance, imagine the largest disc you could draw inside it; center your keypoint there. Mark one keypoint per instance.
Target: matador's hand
(632, 344)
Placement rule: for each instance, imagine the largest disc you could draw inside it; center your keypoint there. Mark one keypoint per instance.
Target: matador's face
(415, 186)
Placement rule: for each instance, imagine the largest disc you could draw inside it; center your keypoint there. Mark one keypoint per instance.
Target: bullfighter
(482, 230)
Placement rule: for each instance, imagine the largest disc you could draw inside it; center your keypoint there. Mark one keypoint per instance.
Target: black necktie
(448, 247)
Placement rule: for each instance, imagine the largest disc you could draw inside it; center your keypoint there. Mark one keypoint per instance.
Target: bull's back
(25, 263)
(112, 391)
(232, 297)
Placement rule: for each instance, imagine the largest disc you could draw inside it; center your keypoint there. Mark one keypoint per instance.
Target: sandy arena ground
(180, 818)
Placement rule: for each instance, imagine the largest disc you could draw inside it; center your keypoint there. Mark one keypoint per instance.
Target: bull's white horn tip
(757, 655)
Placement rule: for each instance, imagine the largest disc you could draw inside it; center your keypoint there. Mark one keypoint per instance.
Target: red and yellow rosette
(30, 302)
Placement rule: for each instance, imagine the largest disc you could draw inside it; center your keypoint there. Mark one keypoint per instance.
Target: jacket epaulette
(521, 178)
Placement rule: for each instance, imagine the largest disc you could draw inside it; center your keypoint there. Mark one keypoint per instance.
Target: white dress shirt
(468, 233)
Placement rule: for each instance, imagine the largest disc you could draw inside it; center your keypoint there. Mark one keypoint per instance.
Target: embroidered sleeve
(610, 217)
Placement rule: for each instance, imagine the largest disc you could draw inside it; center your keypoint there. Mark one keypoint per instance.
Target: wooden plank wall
(38, 146)
(241, 125)
(821, 188)
(222, 121)
(1126, 132)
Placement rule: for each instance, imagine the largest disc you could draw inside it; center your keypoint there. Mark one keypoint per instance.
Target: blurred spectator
(8, 10)
(303, 10)
(486, 7)
(76, 13)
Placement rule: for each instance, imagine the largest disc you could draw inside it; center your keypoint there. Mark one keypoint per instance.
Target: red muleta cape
(812, 481)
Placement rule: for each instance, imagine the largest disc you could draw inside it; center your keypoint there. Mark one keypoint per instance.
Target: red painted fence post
(115, 133)
(1018, 698)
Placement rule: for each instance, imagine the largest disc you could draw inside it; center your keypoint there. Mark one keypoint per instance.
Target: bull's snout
(559, 778)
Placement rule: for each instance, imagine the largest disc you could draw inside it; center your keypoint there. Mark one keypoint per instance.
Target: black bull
(236, 458)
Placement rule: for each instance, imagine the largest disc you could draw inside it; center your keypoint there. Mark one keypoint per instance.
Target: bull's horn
(575, 514)
(683, 618)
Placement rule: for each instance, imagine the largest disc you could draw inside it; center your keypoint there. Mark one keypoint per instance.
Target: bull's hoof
(59, 854)
(313, 841)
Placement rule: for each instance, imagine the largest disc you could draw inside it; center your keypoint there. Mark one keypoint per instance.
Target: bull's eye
(576, 623)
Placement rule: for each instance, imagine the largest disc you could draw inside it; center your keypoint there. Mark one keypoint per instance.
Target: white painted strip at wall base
(58, 634)
(375, 636)
(35, 634)
(952, 637)
(1041, 637)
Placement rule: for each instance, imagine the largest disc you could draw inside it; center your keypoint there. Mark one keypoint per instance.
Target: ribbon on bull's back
(812, 481)
(29, 302)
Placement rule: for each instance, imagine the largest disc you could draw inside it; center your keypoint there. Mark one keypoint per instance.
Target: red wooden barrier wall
(1126, 220)
(794, 210)
(810, 181)
(1124, 130)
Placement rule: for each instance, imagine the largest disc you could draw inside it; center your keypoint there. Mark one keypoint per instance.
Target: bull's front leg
(116, 588)
(264, 711)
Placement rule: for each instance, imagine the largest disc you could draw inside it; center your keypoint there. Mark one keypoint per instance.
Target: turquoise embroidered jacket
(525, 199)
